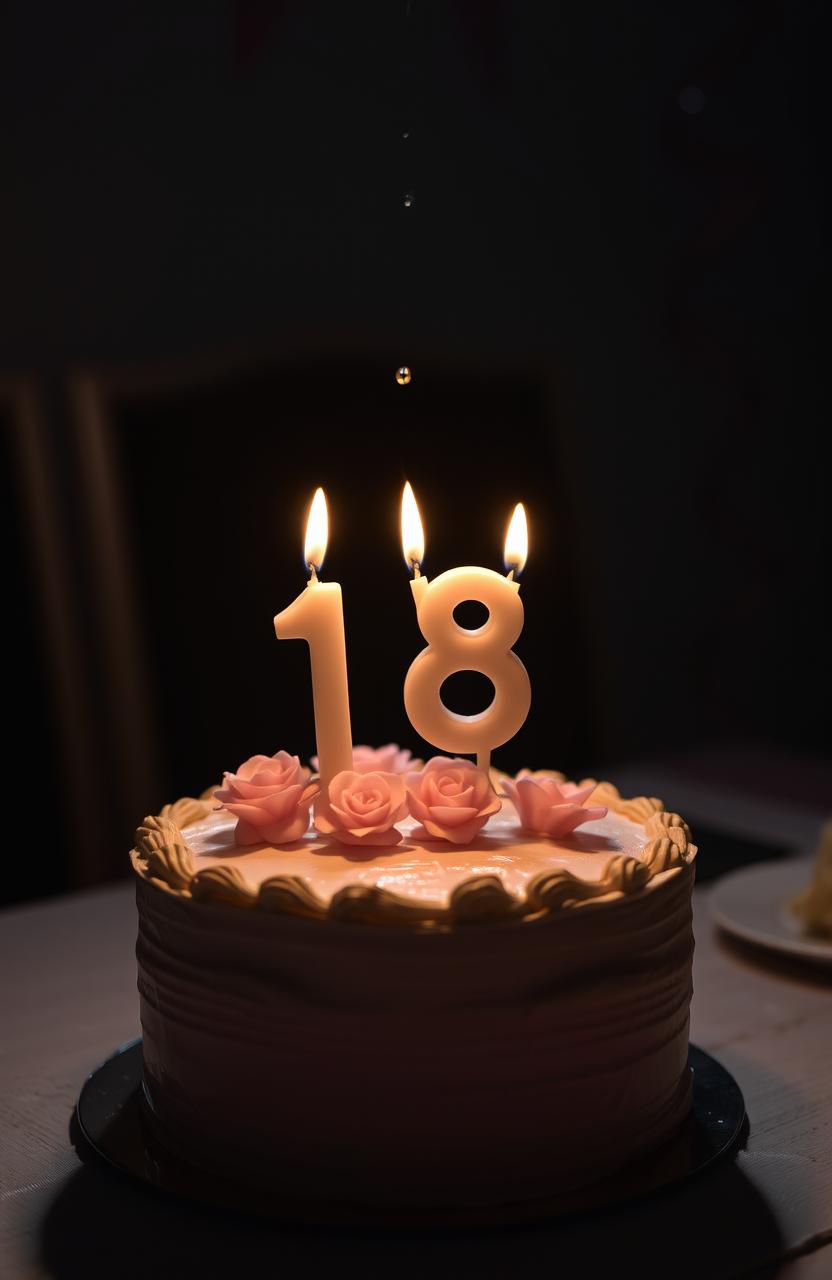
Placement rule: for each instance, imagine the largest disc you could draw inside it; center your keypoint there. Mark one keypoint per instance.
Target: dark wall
(609, 286)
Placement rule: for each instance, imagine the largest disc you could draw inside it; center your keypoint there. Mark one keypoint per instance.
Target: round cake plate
(111, 1118)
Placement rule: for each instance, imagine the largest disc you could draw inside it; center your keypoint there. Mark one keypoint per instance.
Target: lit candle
(413, 541)
(317, 616)
(516, 549)
(453, 648)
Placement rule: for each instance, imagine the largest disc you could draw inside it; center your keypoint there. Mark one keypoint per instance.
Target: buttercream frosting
(428, 870)
(512, 872)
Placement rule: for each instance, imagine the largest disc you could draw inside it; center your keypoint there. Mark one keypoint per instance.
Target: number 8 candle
(317, 616)
(453, 648)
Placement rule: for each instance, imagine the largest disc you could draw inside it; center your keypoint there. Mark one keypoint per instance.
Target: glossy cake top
(419, 869)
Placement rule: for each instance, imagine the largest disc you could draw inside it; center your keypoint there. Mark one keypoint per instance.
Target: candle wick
(417, 568)
(510, 574)
(313, 572)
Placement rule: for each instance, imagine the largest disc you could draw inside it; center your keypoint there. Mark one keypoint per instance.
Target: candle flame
(517, 541)
(317, 532)
(413, 536)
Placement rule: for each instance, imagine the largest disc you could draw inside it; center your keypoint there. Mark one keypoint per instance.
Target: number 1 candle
(453, 648)
(317, 616)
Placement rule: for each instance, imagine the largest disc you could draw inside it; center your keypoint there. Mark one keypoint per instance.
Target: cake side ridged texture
(376, 1064)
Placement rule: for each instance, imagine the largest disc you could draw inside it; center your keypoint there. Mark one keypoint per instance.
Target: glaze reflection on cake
(423, 1022)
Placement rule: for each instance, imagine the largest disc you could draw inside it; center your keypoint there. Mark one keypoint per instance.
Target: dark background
(611, 288)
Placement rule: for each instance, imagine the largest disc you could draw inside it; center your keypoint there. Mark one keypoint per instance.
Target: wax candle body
(454, 648)
(317, 616)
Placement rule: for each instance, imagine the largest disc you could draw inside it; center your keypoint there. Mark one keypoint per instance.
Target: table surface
(68, 998)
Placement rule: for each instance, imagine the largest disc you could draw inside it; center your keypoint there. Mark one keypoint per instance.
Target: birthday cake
(459, 990)
(417, 987)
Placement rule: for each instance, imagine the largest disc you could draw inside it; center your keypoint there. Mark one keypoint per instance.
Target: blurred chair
(49, 743)
(126, 701)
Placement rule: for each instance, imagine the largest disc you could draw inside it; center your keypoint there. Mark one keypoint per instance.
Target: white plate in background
(753, 904)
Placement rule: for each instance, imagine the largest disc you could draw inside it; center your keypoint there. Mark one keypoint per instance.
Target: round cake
(433, 1025)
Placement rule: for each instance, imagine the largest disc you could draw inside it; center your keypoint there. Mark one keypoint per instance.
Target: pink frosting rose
(389, 759)
(270, 796)
(548, 806)
(452, 799)
(363, 808)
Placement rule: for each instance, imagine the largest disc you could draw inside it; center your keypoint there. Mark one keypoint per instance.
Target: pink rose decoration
(363, 808)
(389, 759)
(452, 799)
(548, 806)
(270, 796)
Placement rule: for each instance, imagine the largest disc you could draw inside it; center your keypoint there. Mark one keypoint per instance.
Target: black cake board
(113, 1122)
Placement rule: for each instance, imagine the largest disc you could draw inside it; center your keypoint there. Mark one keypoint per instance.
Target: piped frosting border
(163, 858)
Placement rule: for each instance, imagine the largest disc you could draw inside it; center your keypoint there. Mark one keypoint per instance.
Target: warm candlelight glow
(413, 537)
(317, 532)
(517, 541)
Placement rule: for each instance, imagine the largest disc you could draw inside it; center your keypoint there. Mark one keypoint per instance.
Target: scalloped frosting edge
(163, 858)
